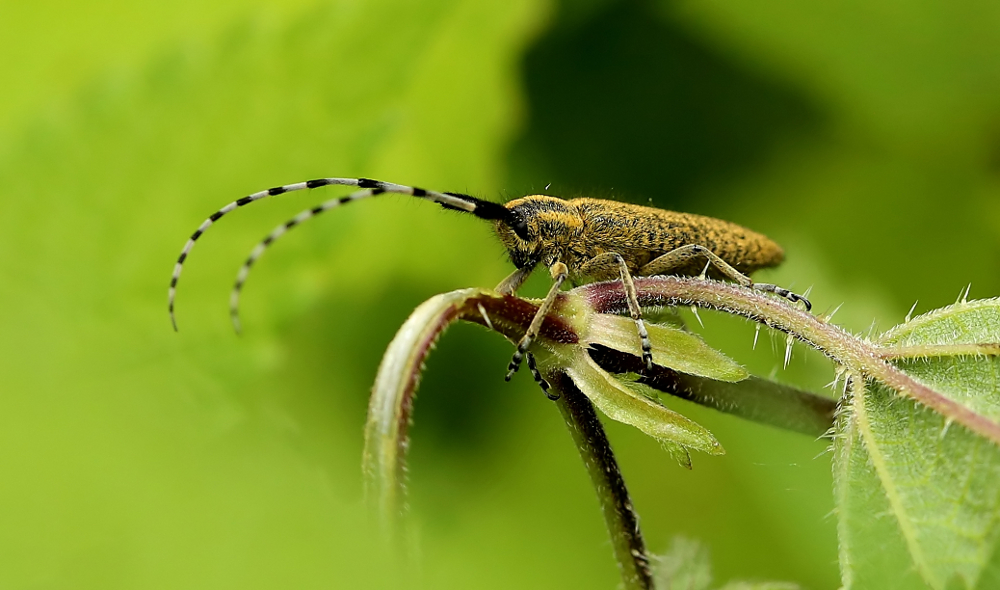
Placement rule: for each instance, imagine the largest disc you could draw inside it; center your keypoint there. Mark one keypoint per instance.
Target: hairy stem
(390, 408)
(759, 400)
(846, 349)
(619, 515)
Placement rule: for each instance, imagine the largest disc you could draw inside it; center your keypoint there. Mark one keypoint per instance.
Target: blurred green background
(863, 136)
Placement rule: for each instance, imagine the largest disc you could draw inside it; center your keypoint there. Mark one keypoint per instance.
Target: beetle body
(577, 240)
(579, 230)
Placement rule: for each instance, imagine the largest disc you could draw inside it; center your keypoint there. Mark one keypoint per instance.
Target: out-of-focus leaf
(687, 566)
(760, 586)
(827, 45)
(130, 449)
(918, 497)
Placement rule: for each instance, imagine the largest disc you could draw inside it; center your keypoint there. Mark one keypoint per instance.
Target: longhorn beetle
(577, 239)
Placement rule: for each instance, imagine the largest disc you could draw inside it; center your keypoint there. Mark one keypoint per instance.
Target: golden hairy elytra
(578, 240)
(578, 230)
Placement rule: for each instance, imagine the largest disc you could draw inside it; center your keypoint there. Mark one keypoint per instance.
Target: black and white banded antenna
(369, 188)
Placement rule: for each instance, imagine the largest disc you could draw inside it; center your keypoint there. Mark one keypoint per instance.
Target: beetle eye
(521, 229)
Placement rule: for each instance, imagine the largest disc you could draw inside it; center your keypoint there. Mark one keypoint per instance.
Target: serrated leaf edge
(934, 315)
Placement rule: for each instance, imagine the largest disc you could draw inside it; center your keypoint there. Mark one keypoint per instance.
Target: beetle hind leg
(681, 257)
(782, 292)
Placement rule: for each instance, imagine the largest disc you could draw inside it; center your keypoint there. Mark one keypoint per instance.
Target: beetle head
(537, 229)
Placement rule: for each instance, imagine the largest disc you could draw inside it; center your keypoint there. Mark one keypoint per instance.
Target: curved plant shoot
(916, 433)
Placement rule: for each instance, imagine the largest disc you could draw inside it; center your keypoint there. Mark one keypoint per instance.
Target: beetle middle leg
(611, 263)
(559, 273)
(680, 257)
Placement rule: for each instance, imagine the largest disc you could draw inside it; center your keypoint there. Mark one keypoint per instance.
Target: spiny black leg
(539, 379)
(604, 265)
(559, 273)
(782, 292)
(635, 312)
(647, 346)
(515, 360)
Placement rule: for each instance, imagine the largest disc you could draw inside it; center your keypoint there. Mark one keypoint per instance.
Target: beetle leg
(680, 257)
(783, 292)
(513, 282)
(605, 264)
(539, 379)
(559, 273)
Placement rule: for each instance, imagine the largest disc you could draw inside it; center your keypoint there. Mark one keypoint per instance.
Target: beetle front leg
(559, 273)
(546, 388)
(513, 282)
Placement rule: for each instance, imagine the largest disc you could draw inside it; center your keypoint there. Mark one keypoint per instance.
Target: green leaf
(968, 322)
(672, 347)
(621, 403)
(918, 496)
(676, 451)
(130, 449)
(968, 376)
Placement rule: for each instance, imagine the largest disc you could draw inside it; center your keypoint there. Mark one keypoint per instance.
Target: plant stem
(619, 515)
(390, 408)
(846, 349)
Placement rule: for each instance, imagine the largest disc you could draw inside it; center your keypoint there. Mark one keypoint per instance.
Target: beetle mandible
(578, 240)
